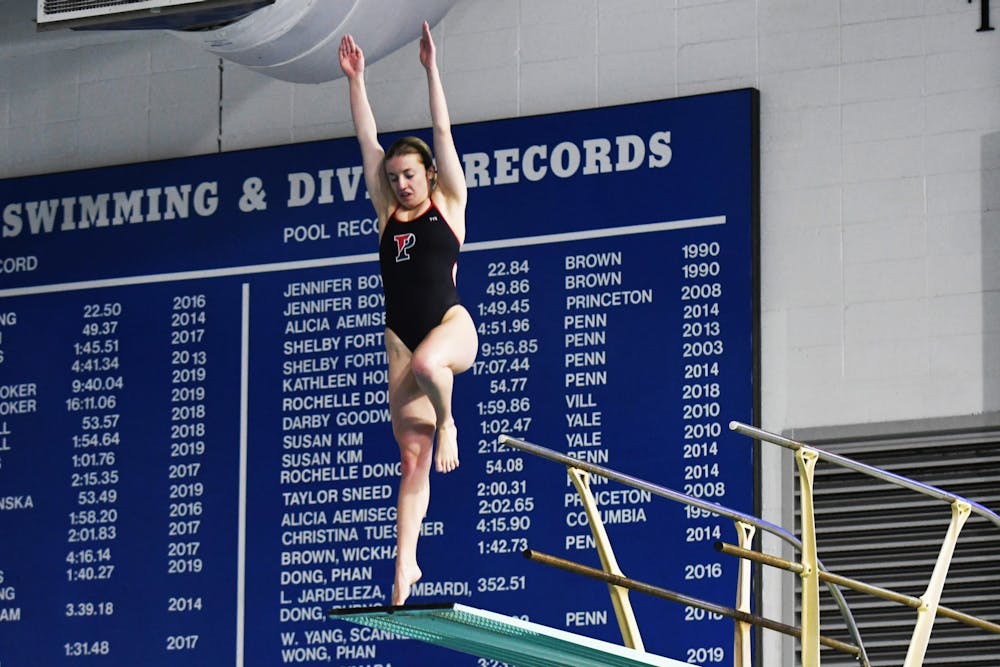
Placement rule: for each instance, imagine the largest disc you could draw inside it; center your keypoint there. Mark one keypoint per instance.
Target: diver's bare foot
(446, 454)
(405, 578)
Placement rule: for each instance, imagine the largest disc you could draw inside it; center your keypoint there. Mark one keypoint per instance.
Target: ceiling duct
(292, 40)
(298, 40)
(141, 14)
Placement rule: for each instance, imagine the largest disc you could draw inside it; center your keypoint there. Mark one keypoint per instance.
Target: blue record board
(196, 460)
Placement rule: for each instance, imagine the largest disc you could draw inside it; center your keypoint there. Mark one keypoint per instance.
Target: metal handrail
(871, 471)
(670, 494)
(860, 586)
(680, 598)
(928, 605)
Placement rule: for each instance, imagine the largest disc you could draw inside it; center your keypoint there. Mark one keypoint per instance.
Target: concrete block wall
(880, 157)
(880, 161)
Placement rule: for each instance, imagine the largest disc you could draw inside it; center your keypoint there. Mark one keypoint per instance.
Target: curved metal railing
(810, 569)
(734, 515)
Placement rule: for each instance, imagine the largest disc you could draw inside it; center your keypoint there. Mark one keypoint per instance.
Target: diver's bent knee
(425, 364)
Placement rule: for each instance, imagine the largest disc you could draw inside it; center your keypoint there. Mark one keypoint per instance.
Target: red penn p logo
(403, 243)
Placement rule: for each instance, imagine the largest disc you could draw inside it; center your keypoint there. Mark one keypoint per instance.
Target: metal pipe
(871, 471)
(665, 594)
(656, 489)
(854, 584)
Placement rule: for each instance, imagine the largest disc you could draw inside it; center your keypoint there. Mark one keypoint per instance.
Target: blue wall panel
(195, 455)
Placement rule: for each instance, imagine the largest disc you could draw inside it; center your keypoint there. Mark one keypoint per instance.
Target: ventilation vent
(890, 537)
(142, 14)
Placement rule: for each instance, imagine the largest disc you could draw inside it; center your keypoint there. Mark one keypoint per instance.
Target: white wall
(880, 156)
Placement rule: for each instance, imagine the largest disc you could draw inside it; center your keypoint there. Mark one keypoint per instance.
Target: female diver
(429, 336)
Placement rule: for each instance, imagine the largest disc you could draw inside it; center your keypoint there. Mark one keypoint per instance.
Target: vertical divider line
(222, 102)
(241, 546)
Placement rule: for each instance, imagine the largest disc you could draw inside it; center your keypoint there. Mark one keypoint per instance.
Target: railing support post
(806, 459)
(741, 642)
(960, 511)
(619, 596)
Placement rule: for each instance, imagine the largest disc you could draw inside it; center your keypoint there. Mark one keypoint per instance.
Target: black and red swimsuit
(417, 259)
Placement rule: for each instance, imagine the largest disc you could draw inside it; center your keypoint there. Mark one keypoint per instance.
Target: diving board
(489, 635)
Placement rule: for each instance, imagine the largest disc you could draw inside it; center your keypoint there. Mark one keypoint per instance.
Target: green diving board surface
(490, 635)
